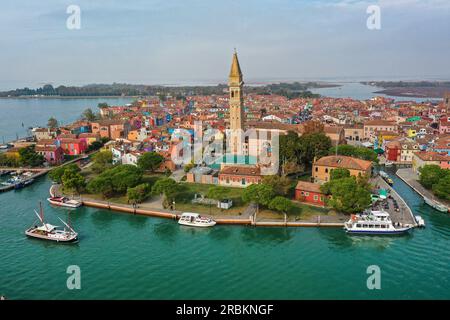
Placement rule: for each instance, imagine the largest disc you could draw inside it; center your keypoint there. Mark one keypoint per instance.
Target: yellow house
(322, 168)
(411, 133)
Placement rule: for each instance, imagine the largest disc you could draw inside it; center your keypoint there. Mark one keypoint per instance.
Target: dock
(411, 179)
(405, 215)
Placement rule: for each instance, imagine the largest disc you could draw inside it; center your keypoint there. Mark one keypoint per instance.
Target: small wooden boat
(46, 231)
(64, 202)
(195, 220)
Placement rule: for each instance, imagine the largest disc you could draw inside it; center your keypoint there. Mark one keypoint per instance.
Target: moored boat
(375, 223)
(46, 231)
(435, 205)
(64, 202)
(195, 220)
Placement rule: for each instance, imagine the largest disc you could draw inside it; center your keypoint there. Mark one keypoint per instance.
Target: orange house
(322, 168)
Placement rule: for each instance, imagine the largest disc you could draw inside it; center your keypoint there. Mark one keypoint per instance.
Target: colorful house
(421, 159)
(309, 192)
(73, 147)
(322, 168)
(239, 176)
(52, 154)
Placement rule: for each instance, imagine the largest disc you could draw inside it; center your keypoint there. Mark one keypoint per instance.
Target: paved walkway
(404, 215)
(412, 179)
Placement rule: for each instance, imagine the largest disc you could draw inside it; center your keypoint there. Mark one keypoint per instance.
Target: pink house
(444, 126)
(52, 154)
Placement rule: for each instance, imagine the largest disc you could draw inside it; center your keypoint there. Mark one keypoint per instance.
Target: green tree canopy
(150, 161)
(166, 186)
(89, 115)
(102, 161)
(138, 193)
(280, 184)
(430, 175)
(339, 173)
(261, 194)
(347, 195)
(354, 151)
(28, 157)
(281, 204)
(442, 188)
(52, 123)
(118, 178)
(314, 145)
(57, 173)
(72, 179)
(217, 192)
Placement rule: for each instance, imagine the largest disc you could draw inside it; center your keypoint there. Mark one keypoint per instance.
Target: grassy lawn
(187, 193)
(299, 212)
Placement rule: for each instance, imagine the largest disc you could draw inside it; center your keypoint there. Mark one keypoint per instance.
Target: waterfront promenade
(411, 178)
(405, 214)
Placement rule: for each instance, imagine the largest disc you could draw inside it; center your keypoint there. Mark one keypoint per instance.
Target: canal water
(123, 256)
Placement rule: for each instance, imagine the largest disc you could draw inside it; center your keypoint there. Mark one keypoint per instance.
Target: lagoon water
(122, 256)
(17, 115)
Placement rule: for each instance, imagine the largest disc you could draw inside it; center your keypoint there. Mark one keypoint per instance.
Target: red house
(52, 154)
(310, 193)
(393, 151)
(73, 147)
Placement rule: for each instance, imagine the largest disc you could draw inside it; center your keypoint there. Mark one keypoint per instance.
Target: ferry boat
(64, 202)
(195, 220)
(376, 222)
(50, 232)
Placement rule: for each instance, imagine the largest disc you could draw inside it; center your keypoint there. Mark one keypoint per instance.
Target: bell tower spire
(235, 85)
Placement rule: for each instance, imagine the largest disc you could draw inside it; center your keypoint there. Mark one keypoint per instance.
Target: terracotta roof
(308, 186)
(432, 156)
(344, 162)
(379, 123)
(241, 170)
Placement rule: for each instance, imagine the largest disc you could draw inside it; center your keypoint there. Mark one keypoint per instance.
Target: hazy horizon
(191, 42)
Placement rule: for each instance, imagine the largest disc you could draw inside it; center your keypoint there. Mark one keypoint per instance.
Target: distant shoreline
(69, 97)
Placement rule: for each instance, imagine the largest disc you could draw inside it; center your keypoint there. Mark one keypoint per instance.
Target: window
(243, 181)
(316, 197)
(306, 194)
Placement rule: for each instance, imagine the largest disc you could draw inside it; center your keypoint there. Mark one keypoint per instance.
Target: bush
(139, 193)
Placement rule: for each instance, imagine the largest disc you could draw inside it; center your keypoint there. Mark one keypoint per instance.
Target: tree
(29, 157)
(124, 176)
(442, 188)
(94, 146)
(281, 204)
(430, 175)
(102, 105)
(89, 115)
(339, 173)
(73, 180)
(138, 193)
(57, 173)
(354, 151)
(101, 184)
(260, 194)
(280, 184)
(150, 161)
(290, 148)
(115, 180)
(217, 192)
(165, 186)
(314, 145)
(52, 123)
(347, 195)
(188, 167)
(102, 161)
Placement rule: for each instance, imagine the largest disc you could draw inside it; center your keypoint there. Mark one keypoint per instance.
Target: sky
(192, 41)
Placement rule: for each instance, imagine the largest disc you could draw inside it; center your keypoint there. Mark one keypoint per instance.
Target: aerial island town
(328, 155)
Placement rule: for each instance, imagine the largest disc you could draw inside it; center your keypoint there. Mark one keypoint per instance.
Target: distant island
(422, 89)
(289, 90)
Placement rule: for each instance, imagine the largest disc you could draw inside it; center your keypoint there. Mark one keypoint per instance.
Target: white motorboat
(64, 202)
(195, 220)
(388, 163)
(420, 221)
(46, 231)
(375, 223)
(434, 204)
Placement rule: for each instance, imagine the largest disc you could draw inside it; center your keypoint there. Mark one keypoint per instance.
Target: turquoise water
(36, 112)
(132, 257)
